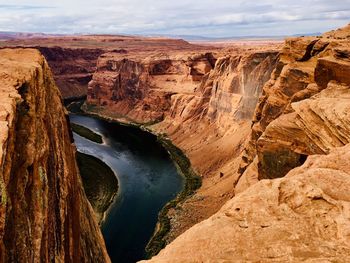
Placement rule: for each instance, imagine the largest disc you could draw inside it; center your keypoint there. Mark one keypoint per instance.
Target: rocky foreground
(44, 213)
(303, 217)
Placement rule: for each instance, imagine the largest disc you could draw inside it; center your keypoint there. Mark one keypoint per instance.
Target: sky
(210, 18)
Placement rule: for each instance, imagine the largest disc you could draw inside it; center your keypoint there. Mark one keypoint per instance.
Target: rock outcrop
(216, 119)
(201, 97)
(303, 217)
(44, 213)
(304, 109)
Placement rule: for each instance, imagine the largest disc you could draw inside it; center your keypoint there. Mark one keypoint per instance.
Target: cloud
(23, 7)
(205, 17)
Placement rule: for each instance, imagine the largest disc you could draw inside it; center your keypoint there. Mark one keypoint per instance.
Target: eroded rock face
(304, 107)
(303, 217)
(204, 105)
(44, 213)
(139, 87)
(72, 68)
(236, 84)
(73, 58)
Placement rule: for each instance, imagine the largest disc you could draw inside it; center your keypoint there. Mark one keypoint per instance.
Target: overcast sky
(218, 18)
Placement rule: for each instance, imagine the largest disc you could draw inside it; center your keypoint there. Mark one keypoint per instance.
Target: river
(148, 179)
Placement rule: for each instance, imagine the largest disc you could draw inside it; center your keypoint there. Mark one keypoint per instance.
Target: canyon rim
(214, 149)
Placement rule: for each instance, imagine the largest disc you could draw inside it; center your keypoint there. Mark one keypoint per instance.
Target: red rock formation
(304, 107)
(211, 126)
(73, 58)
(44, 213)
(205, 109)
(302, 217)
(156, 79)
(139, 87)
(304, 110)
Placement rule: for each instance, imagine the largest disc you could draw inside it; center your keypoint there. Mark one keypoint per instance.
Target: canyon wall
(204, 101)
(139, 87)
(202, 98)
(72, 68)
(44, 213)
(211, 125)
(304, 107)
(299, 145)
(73, 58)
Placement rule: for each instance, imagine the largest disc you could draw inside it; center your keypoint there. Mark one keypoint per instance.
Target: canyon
(266, 127)
(202, 101)
(73, 58)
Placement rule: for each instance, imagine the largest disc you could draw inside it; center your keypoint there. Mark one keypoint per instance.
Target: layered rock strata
(72, 68)
(73, 58)
(139, 88)
(44, 213)
(303, 217)
(304, 108)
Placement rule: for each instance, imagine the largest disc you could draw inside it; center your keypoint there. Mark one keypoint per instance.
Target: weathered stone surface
(151, 79)
(303, 110)
(303, 217)
(139, 87)
(72, 68)
(236, 84)
(44, 213)
(317, 125)
(332, 68)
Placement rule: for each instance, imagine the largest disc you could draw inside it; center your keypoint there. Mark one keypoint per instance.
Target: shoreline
(86, 133)
(86, 164)
(191, 184)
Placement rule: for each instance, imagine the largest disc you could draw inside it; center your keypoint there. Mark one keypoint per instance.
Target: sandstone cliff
(203, 100)
(73, 58)
(139, 87)
(44, 213)
(211, 125)
(304, 108)
(72, 68)
(303, 217)
(201, 97)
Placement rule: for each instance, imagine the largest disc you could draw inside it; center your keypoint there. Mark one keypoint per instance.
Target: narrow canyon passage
(147, 177)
